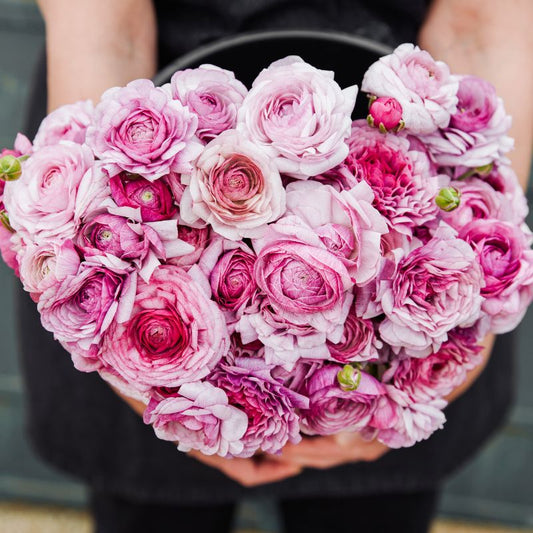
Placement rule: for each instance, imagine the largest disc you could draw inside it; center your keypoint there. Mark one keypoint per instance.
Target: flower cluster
(254, 265)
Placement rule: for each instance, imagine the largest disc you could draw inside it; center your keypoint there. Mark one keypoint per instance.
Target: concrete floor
(24, 518)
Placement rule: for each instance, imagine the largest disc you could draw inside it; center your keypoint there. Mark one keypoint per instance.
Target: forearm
(95, 44)
(491, 39)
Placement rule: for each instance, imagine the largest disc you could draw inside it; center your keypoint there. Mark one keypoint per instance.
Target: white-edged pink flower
(212, 94)
(198, 417)
(436, 288)
(140, 129)
(234, 187)
(66, 123)
(174, 334)
(301, 115)
(423, 87)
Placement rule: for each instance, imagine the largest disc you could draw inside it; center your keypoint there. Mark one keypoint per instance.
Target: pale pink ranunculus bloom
(212, 94)
(436, 288)
(140, 129)
(345, 222)
(301, 115)
(174, 334)
(66, 123)
(504, 253)
(422, 86)
(198, 417)
(234, 187)
(44, 203)
(79, 308)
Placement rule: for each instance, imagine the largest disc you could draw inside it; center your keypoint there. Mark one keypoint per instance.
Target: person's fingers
(250, 472)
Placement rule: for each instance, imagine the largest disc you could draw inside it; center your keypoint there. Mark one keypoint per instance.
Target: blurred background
(496, 488)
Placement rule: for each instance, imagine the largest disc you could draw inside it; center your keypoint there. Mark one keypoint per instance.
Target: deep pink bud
(385, 113)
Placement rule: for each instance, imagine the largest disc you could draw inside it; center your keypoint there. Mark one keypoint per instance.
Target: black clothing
(404, 513)
(77, 423)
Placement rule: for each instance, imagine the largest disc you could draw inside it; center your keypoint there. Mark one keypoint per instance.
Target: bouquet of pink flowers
(255, 266)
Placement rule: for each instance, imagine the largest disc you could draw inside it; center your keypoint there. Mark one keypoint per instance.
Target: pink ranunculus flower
(66, 123)
(414, 421)
(333, 409)
(345, 222)
(7, 249)
(229, 266)
(198, 239)
(234, 187)
(287, 339)
(43, 266)
(118, 236)
(301, 278)
(154, 199)
(141, 130)
(478, 200)
(423, 87)
(175, 334)
(503, 250)
(477, 134)
(401, 178)
(79, 309)
(212, 94)
(301, 115)
(436, 288)
(43, 204)
(358, 342)
(269, 406)
(198, 417)
(385, 113)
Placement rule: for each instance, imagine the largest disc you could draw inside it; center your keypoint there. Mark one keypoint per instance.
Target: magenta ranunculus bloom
(42, 204)
(229, 267)
(66, 123)
(301, 115)
(212, 94)
(78, 309)
(141, 130)
(436, 288)
(401, 178)
(174, 335)
(332, 409)
(423, 87)
(234, 187)
(154, 199)
(198, 417)
(269, 406)
(504, 252)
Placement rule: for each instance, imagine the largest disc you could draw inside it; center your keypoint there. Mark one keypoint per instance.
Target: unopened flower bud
(448, 198)
(349, 378)
(4, 220)
(385, 113)
(10, 168)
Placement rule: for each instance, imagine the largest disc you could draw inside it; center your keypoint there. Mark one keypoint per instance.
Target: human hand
(257, 470)
(332, 450)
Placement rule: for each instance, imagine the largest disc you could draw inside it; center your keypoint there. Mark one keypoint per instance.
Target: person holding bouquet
(323, 483)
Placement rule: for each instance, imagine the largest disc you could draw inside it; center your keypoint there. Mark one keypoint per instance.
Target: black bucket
(349, 56)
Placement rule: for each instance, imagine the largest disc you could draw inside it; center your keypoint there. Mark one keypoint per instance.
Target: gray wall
(498, 485)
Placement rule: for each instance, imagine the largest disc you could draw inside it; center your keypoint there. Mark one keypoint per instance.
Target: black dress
(77, 424)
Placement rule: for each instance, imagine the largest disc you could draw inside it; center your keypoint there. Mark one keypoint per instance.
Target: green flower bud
(10, 168)
(448, 198)
(4, 220)
(349, 378)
